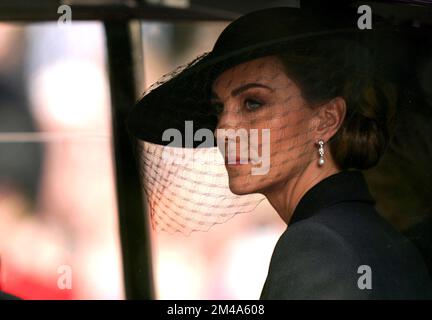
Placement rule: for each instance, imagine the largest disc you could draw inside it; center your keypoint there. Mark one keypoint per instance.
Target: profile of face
(259, 95)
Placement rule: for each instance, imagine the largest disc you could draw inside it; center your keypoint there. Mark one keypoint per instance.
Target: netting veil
(189, 196)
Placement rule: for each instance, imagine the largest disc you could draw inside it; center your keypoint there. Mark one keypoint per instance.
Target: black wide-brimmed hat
(184, 94)
(194, 194)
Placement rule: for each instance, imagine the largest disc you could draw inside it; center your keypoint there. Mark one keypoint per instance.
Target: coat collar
(342, 186)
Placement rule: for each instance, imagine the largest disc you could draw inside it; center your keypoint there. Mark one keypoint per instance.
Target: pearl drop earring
(321, 153)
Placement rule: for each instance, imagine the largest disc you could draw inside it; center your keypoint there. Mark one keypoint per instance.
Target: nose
(230, 118)
(229, 121)
(231, 133)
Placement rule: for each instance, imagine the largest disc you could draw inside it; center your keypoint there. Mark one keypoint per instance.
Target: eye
(252, 104)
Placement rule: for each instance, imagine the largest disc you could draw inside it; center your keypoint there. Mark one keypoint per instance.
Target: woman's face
(259, 95)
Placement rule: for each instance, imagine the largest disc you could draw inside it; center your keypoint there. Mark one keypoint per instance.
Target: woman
(322, 102)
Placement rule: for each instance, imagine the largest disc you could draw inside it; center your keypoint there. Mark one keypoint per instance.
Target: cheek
(291, 138)
(287, 130)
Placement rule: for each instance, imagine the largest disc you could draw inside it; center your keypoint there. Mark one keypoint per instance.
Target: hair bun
(366, 131)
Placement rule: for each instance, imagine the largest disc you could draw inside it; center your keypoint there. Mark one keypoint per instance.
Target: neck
(285, 196)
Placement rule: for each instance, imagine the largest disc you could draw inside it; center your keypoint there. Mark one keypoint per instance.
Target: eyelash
(218, 107)
(255, 101)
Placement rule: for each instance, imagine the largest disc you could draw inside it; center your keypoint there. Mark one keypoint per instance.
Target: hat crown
(280, 23)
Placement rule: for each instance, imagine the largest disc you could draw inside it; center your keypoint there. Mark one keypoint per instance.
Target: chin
(242, 182)
(239, 190)
(241, 186)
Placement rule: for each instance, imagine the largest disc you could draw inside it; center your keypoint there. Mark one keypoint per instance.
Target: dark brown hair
(339, 67)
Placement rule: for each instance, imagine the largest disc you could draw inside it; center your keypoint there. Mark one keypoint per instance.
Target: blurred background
(57, 200)
(59, 215)
(57, 195)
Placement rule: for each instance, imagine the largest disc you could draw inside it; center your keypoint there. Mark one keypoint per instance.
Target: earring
(321, 153)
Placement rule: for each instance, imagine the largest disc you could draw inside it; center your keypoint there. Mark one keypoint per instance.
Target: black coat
(334, 230)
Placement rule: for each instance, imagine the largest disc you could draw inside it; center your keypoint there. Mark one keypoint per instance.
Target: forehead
(263, 70)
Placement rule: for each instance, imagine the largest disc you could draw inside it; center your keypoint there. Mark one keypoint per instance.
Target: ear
(330, 117)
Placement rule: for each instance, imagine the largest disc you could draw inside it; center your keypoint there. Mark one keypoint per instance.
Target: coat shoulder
(326, 257)
(312, 261)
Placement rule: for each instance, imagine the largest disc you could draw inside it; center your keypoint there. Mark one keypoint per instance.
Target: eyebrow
(242, 88)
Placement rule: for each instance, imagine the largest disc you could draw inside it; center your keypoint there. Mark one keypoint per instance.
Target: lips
(236, 163)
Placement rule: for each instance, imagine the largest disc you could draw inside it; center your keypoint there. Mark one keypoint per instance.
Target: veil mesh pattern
(190, 192)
